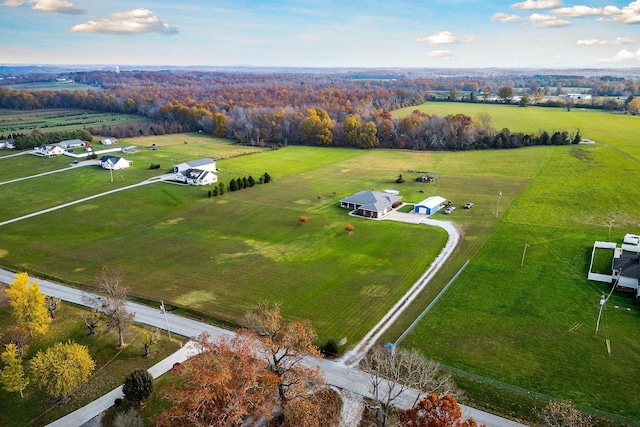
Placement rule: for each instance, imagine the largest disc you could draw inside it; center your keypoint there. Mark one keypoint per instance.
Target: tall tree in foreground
(110, 300)
(435, 411)
(12, 375)
(62, 368)
(393, 373)
(285, 345)
(28, 305)
(226, 383)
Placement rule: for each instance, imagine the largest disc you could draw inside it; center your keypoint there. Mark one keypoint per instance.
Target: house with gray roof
(206, 164)
(371, 204)
(114, 162)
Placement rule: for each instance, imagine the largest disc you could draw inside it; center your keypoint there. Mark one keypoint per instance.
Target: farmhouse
(625, 265)
(114, 162)
(206, 164)
(429, 205)
(197, 177)
(371, 204)
(72, 143)
(49, 150)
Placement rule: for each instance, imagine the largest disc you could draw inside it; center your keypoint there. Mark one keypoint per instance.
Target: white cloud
(598, 42)
(577, 11)
(506, 19)
(545, 21)
(626, 55)
(441, 37)
(441, 54)
(536, 4)
(54, 6)
(135, 21)
(629, 14)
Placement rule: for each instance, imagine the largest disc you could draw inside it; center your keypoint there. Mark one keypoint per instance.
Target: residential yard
(112, 366)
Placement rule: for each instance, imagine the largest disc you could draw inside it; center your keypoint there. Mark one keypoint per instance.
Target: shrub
(138, 385)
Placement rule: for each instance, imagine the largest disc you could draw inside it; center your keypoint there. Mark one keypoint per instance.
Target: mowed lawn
(534, 326)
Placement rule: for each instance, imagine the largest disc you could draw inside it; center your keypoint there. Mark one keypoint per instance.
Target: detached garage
(429, 205)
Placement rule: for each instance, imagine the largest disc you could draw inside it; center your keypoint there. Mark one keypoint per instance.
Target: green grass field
(529, 326)
(12, 121)
(533, 326)
(112, 366)
(53, 86)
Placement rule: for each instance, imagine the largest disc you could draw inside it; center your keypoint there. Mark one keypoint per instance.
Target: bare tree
(52, 304)
(92, 320)
(110, 300)
(393, 373)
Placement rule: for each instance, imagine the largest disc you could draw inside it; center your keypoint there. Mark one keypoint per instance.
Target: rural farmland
(216, 257)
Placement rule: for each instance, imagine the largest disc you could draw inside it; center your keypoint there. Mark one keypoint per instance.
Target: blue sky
(330, 33)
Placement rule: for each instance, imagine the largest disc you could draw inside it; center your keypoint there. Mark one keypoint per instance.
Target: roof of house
(112, 159)
(629, 264)
(432, 202)
(195, 173)
(200, 162)
(372, 200)
(72, 141)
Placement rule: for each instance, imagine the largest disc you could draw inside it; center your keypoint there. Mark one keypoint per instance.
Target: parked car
(449, 210)
(468, 206)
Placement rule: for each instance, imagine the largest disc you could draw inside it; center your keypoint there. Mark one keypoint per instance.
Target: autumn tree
(435, 411)
(12, 375)
(138, 386)
(634, 106)
(62, 368)
(368, 137)
(110, 300)
(149, 339)
(505, 93)
(351, 128)
(220, 125)
(563, 414)
(392, 373)
(91, 320)
(28, 305)
(316, 128)
(349, 228)
(285, 345)
(227, 382)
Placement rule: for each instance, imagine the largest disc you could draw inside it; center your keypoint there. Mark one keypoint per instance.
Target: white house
(114, 162)
(72, 143)
(205, 164)
(429, 205)
(49, 150)
(199, 177)
(108, 141)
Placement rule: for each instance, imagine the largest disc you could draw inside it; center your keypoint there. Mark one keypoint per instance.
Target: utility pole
(526, 245)
(498, 207)
(163, 311)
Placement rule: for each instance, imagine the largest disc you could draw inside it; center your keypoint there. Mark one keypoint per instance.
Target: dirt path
(354, 356)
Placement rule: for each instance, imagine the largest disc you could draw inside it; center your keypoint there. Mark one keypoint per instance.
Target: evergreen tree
(138, 385)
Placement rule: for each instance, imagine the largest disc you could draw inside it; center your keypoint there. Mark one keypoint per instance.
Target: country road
(336, 374)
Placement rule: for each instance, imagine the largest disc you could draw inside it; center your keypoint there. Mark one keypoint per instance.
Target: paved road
(335, 373)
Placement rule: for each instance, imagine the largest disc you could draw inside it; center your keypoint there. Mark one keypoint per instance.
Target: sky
(323, 33)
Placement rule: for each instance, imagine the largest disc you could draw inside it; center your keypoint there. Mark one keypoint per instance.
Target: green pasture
(12, 121)
(112, 366)
(533, 326)
(53, 86)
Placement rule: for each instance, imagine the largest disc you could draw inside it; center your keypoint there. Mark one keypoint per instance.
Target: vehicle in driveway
(468, 206)
(449, 210)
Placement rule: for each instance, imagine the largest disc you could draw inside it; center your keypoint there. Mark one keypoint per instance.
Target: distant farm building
(114, 162)
(72, 143)
(371, 204)
(108, 141)
(430, 205)
(130, 149)
(49, 150)
(625, 265)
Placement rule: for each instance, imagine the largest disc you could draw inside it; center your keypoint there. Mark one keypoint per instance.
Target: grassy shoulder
(112, 366)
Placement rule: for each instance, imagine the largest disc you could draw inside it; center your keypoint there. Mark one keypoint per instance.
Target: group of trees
(37, 138)
(59, 369)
